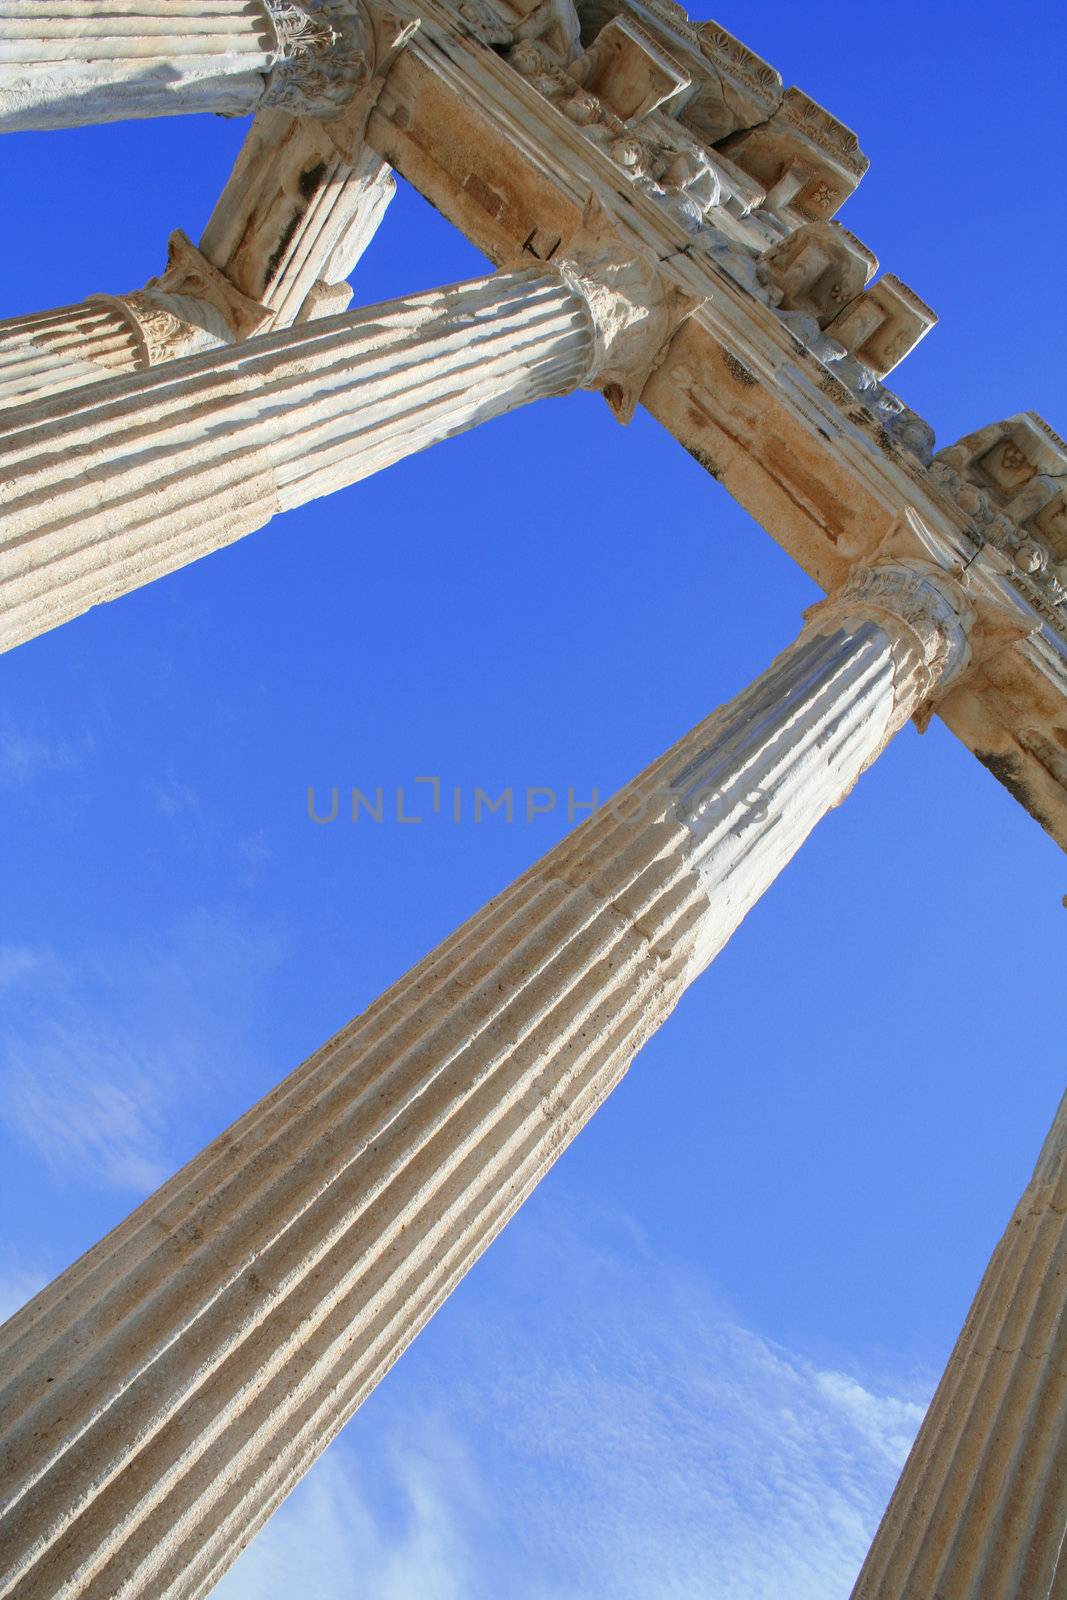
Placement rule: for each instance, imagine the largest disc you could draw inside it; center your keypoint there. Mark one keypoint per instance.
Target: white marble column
(107, 487)
(165, 1394)
(980, 1512)
(65, 63)
(66, 348)
(298, 212)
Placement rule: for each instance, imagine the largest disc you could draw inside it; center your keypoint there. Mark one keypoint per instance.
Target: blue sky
(691, 1367)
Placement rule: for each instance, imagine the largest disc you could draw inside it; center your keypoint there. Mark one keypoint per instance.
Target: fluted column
(104, 488)
(67, 348)
(980, 1512)
(297, 212)
(167, 1391)
(46, 352)
(65, 63)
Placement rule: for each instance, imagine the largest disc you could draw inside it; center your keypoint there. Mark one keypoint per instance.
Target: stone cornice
(722, 49)
(824, 130)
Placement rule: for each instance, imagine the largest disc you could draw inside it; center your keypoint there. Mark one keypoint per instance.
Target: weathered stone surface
(164, 1394)
(807, 161)
(64, 63)
(884, 324)
(1011, 477)
(153, 1418)
(820, 269)
(295, 211)
(65, 349)
(981, 1508)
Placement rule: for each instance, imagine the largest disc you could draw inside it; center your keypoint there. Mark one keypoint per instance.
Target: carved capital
(927, 615)
(160, 332)
(326, 55)
(190, 274)
(634, 312)
(191, 307)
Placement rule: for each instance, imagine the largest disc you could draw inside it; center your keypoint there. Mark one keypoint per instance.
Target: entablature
(780, 410)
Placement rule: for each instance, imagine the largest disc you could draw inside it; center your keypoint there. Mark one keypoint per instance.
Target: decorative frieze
(981, 1506)
(167, 1391)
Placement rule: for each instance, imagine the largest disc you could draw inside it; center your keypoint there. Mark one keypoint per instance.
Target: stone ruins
(663, 215)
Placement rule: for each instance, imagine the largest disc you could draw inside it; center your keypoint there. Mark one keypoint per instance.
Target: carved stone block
(730, 87)
(883, 324)
(1020, 467)
(807, 161)
(820, 269)
(740, 91)
(629, 71)
(324, 300)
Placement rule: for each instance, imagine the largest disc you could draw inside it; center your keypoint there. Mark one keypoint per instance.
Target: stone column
(166, 1393)
(65, 63)
(106, 487)
(297, 213)
(980, 1512)
(67, 348)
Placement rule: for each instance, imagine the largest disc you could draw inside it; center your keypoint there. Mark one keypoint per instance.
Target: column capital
(634, 310)
(927, 615)
(191, 307)
(327, 53)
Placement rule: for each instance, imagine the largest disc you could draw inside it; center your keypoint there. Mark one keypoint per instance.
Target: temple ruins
(662, 212)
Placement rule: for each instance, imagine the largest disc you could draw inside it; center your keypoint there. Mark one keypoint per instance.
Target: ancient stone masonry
(238, 1318)
(663, 211)
(288, 230)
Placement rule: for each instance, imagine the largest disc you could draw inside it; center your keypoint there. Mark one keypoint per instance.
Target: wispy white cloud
(332, 1542)
(27, 753)
(587, 1420)
(17, 962)
(100, 1049)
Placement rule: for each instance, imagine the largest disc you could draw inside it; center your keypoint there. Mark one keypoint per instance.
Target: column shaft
(980, 1512)
(169, 1389)
(295, 212)
(107, 487)
(65, 63)
(67, 348)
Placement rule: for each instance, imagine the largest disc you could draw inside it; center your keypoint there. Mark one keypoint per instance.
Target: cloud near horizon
(100, 1047)
(584, 1421)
